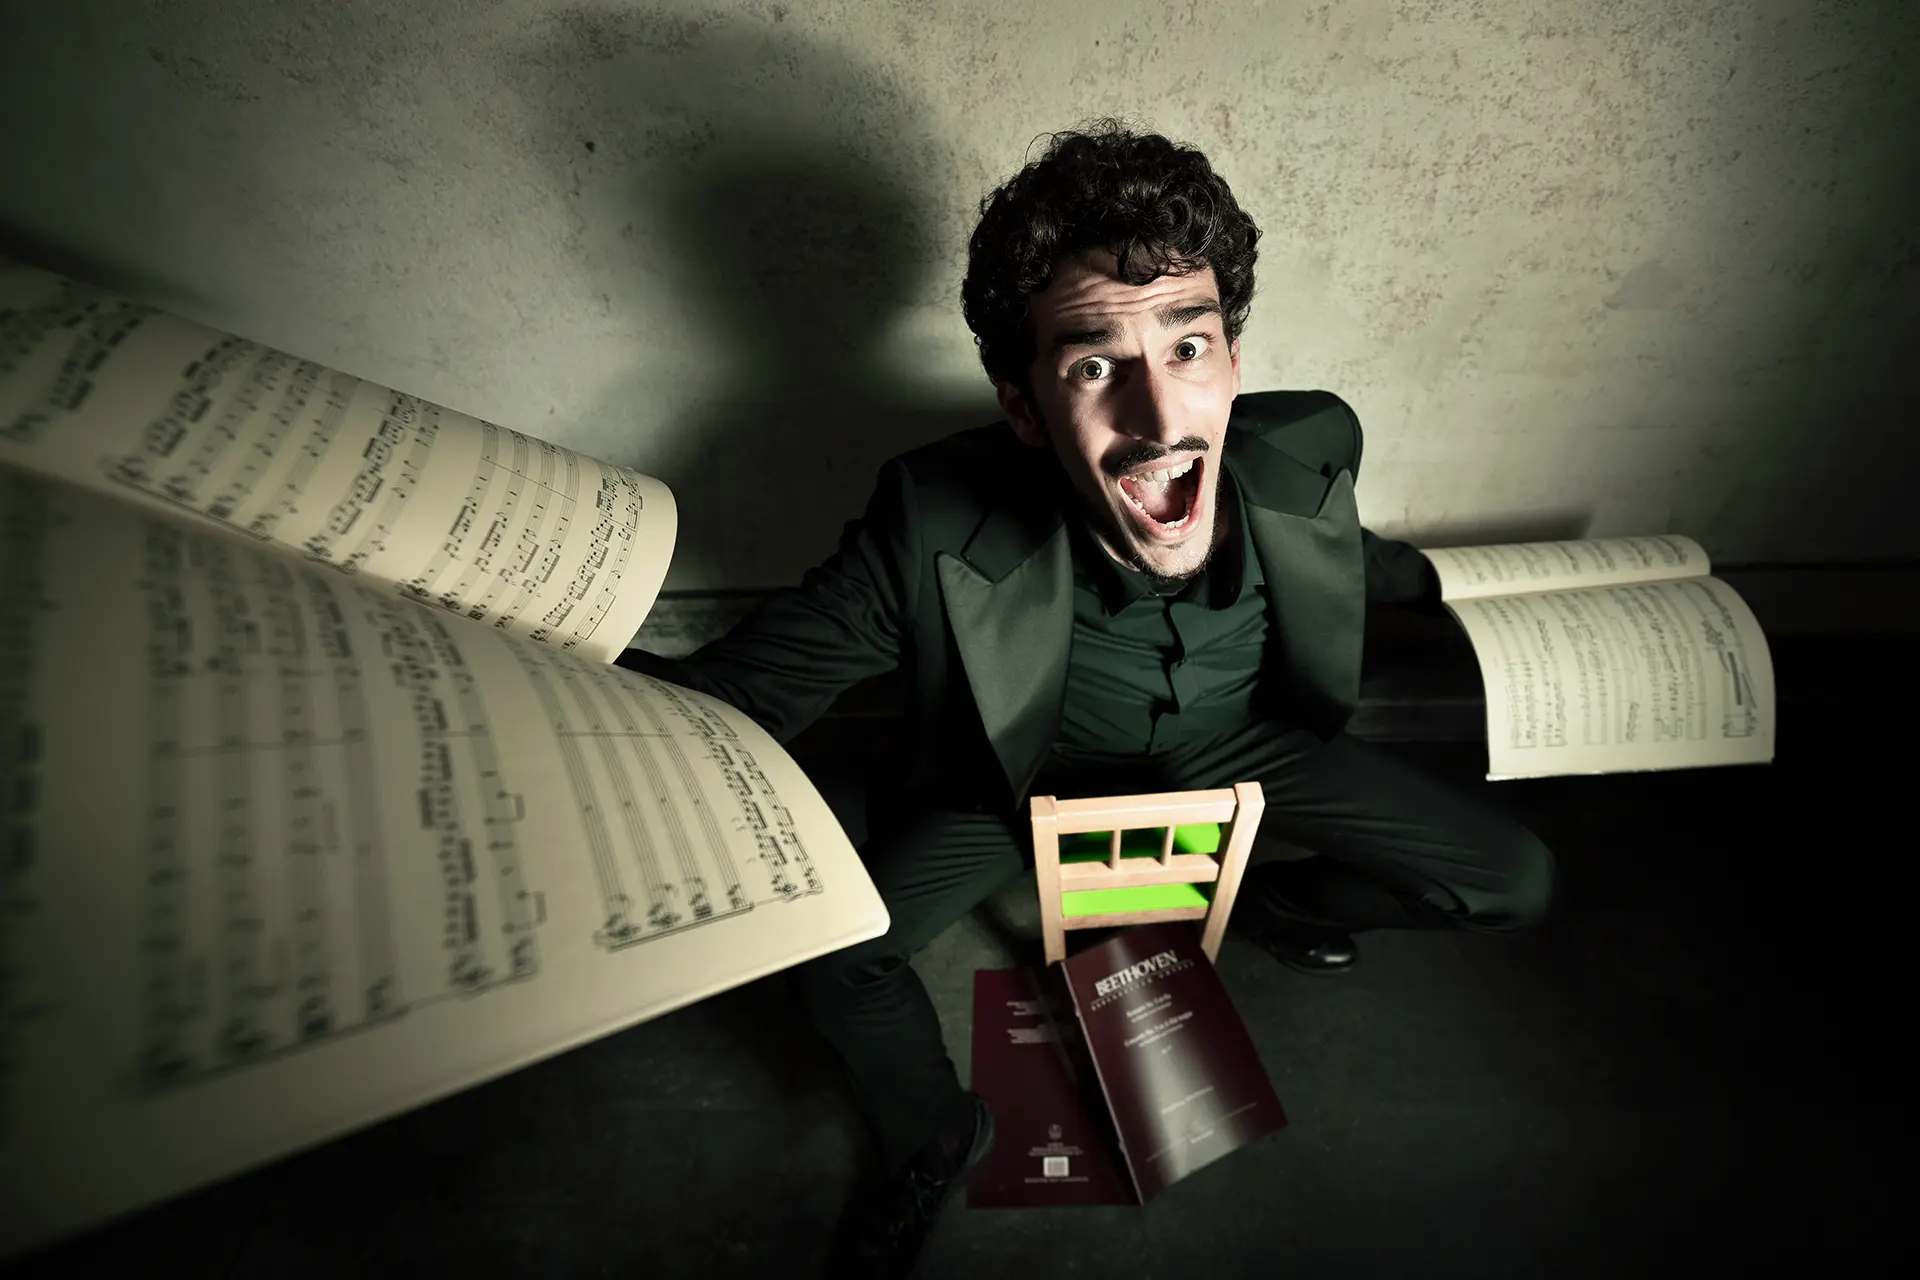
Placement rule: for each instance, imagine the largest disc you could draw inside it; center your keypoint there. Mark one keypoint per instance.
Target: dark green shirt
(1149, 673)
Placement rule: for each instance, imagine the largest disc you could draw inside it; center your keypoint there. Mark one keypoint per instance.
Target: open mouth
(1165, 502)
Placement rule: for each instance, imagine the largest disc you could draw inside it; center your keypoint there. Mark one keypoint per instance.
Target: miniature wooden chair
(1082, 888)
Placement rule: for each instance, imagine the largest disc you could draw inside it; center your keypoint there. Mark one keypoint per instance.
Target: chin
(1182, 562)
(1159, 560)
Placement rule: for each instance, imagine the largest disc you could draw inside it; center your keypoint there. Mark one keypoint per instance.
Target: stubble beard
(1120, 545)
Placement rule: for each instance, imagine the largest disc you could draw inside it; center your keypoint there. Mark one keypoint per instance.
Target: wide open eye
(1192, 347)
(1092, 369)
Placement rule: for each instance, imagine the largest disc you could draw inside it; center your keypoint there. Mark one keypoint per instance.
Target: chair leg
(1250, 803)
(1046, 870)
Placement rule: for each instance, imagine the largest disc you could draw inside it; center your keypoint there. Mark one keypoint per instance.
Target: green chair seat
(1095, 846)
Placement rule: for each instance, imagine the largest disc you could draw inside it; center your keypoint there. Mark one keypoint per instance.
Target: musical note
(670, 777)
(300, 944)
(60, 344)
(114, 395)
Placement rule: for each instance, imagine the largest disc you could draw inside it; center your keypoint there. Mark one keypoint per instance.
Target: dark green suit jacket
(960, 574)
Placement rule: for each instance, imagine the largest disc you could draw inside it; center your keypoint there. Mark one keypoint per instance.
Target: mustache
(1140, 454)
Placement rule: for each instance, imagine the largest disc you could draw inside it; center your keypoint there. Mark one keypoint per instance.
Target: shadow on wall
(36, 249)
(789, 201)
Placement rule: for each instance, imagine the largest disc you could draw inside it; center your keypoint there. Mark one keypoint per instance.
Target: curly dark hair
(1156, 205)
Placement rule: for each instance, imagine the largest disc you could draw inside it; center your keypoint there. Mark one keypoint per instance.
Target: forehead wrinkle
(1111, 296)
(1088, 306)
(1107, 297)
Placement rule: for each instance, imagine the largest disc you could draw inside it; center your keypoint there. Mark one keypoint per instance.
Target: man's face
(1132, 385)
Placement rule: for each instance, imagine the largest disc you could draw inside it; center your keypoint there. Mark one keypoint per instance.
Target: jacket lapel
(1009, 600)
(1306, 531)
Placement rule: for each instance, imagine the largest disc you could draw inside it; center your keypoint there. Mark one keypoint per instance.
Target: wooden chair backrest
(1237, 809)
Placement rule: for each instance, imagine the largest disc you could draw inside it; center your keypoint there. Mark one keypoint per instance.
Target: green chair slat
(1142, 842)
(1151, 897)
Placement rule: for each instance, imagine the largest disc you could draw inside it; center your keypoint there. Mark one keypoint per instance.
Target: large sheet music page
(285, 854)
(447, 509)
(1654, 675)
(1471, 573)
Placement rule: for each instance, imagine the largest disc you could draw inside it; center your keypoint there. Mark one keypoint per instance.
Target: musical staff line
(671, 779)
(1619, 665)
(268, 920)
(31, 337)
(467, 515)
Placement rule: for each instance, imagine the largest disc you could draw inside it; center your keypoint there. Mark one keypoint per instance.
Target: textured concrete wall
(1584, 266)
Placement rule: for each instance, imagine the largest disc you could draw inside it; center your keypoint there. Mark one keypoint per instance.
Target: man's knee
(1529, 888)
(848, 970)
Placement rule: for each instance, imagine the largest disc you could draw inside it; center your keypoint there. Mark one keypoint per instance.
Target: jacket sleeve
(847, 620)
(1398, 574)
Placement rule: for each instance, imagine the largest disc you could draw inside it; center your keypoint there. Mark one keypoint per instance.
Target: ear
(1020, 416)
(1233, 358)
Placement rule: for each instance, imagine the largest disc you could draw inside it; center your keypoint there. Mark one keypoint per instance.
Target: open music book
(318, 797)
(1610, 655)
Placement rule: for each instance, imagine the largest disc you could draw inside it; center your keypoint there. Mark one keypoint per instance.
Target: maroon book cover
(1053, 1144)
(1183, 1082)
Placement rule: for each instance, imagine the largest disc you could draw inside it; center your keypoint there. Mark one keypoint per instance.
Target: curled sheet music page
(1655, 675)
(471, 517)
(1468, 573)
(286, 855)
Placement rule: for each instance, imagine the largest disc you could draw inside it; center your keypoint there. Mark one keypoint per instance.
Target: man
(1111, 591)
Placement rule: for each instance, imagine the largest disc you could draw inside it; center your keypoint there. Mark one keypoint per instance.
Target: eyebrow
(1171, 316)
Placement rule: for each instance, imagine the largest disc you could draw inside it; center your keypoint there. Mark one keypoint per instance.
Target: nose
(1152, 411)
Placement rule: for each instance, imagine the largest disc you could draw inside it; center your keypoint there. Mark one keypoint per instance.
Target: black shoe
(1317, 951)
(887, 1226)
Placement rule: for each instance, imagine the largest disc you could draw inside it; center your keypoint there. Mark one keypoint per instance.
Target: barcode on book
(1053, 1166)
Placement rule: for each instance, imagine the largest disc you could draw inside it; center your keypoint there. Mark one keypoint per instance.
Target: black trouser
(1395, 849)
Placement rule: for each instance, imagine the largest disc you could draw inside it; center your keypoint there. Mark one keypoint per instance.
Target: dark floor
(1692, 1066)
